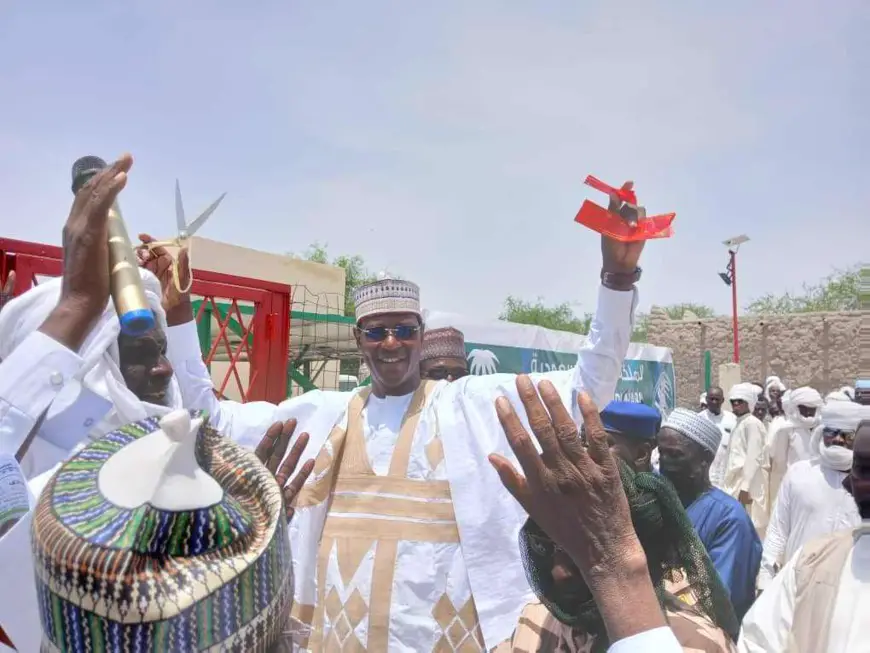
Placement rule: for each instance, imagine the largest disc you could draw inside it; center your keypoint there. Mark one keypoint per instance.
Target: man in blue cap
(631, 429)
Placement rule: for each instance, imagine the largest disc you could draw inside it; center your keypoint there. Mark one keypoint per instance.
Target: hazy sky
(447, 141)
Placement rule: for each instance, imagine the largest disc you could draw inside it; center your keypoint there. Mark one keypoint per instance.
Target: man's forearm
(181, 313)
(626, 599)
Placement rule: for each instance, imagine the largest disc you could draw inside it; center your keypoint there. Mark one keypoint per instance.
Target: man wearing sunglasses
(403, 538)
(443, 355)
(811, 501)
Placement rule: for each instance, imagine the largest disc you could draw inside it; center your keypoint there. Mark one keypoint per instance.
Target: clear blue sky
(447, 141)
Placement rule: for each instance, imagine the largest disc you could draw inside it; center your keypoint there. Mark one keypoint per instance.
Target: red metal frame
(269, 326)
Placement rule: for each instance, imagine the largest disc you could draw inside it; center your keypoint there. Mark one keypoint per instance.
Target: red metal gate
(260, 339)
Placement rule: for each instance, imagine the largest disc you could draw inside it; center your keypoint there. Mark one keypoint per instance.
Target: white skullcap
(695, 427)
(844, 415)
(747, 392)
(807, 396)
(386, 296)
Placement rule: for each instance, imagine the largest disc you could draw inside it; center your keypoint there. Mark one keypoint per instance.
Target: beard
(684, 482)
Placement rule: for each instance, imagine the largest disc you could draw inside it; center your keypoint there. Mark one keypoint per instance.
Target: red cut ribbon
(614, 226)
(625, 194)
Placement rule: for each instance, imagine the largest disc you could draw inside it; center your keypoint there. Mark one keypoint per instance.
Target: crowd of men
(433, 510)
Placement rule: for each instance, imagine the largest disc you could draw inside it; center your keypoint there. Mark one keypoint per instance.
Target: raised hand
(571, 490)
(617, 256)
(159, 261)
(85, 285)
(271, 452)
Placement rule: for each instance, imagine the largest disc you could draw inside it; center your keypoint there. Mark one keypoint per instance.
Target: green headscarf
(671, 546)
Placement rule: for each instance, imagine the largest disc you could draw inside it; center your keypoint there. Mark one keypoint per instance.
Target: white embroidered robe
(439, 581)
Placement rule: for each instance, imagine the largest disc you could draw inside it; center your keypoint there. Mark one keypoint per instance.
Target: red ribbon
(614, 226)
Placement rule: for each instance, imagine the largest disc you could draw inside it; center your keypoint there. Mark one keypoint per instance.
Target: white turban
(773, 382)
(804, 396)
(843, 416)
(747, 392)
(101, 372)
(849, 391)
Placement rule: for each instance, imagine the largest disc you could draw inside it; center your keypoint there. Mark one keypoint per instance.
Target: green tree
(356, 273)
(837, 292)
(563, 318)
(560, 318)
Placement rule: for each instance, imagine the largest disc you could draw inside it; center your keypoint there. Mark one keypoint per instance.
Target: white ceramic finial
(161, 468)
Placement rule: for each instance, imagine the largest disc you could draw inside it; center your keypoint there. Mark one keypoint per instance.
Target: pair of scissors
(185, 233)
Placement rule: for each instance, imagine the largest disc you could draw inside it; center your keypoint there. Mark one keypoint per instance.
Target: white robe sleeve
(470, 431)
(736, 460)
(245, 423)
(778, 529)
(754, 463)
(31, 378)
(599, 363)
(779, 449)
(660, 640)
(767, 625)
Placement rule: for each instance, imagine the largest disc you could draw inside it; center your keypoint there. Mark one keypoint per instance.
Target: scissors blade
(196, 224)
(179, 210)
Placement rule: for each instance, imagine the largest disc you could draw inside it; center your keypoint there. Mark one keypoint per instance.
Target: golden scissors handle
(180, 244)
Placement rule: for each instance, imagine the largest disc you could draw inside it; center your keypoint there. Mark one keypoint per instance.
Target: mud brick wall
(817, 349)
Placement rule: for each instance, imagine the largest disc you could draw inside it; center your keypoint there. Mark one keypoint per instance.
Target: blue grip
(138, 322)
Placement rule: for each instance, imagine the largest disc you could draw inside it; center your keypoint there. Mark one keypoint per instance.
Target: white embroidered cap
(387, 296)
(695, 427)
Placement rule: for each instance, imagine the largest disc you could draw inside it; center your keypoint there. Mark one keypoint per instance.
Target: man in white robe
(725, 422)
(381, 565)
(402, 477)
(818, 602)
(812, 501)
(97, 398)
(791, 441)
(745, 474)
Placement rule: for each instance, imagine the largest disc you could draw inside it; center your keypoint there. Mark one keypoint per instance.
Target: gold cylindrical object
(125, 282)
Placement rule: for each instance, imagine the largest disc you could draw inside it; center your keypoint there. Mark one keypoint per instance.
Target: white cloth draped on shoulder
(427, 496)
(100, 379)
(816, 604)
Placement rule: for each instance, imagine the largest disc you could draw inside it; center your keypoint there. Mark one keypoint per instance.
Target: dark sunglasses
(401, 332)
(441, 373)
(830, 434)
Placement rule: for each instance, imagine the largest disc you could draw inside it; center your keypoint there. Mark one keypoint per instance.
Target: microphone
(125, 283)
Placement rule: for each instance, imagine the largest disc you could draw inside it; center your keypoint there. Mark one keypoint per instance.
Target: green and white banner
(497, 346)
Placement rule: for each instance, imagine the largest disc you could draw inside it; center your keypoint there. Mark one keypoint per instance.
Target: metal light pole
(730, 279)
